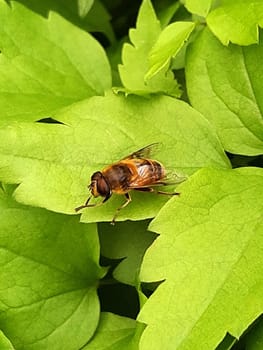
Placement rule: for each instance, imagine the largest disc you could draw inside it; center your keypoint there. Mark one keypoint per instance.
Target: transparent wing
(145, 152)
(173, 177)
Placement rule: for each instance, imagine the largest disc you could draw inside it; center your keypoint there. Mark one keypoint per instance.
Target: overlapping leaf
(210, 255)
(114, 332)
(165, 11)
(168, 44)
(89, 15)
(45, 64)
(48, 277)
(225, 84)
(53, 162)
(135, 62)
(237, 21)
(5, 344)
(210, 247)
(127, 241)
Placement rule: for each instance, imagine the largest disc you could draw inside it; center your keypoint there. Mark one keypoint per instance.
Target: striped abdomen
(133, 173)
(148, 172)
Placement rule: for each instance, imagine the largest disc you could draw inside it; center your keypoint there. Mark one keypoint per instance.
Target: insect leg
(128, 200)
(86, 205)
(87, 201)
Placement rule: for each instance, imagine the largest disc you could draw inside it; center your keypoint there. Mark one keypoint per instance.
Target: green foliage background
(84, 83)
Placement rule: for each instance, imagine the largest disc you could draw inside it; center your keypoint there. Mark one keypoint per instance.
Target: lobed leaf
(209, 253)
(127, 241)
(237, 21)
(135, 58)
(53, 162)
(48, 278)
(46, 64)
(224, 83)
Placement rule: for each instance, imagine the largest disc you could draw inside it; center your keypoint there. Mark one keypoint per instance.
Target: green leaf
(48, 278)
(99, 20)
(46, 64)
(168, 44)
(225, 84)
(209, 253)
(53, 162)
(200, 7)
(166, 10)
(5, 343)
(237, 21)
(89, 15)
(113, 333)
(127, 241)
(135, 58)
(114, 56)
(84, 7)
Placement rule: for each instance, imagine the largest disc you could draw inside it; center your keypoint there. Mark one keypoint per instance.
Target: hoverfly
(136, 172)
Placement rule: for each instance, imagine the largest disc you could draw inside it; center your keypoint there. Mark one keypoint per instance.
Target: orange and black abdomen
(133, 173)
(148, 172)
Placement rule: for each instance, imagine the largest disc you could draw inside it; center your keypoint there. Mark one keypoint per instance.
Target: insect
(136, 172)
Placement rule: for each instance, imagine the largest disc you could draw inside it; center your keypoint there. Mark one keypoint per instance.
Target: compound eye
(103, 188)
(96, 176)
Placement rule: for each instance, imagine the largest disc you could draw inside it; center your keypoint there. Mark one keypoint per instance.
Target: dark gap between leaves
(49, 121)
(120, 299)
(123, 15)
(149, 288)
(238, 160)
(227, 342)
(101, 38)
(111, 264)
(116, 297)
